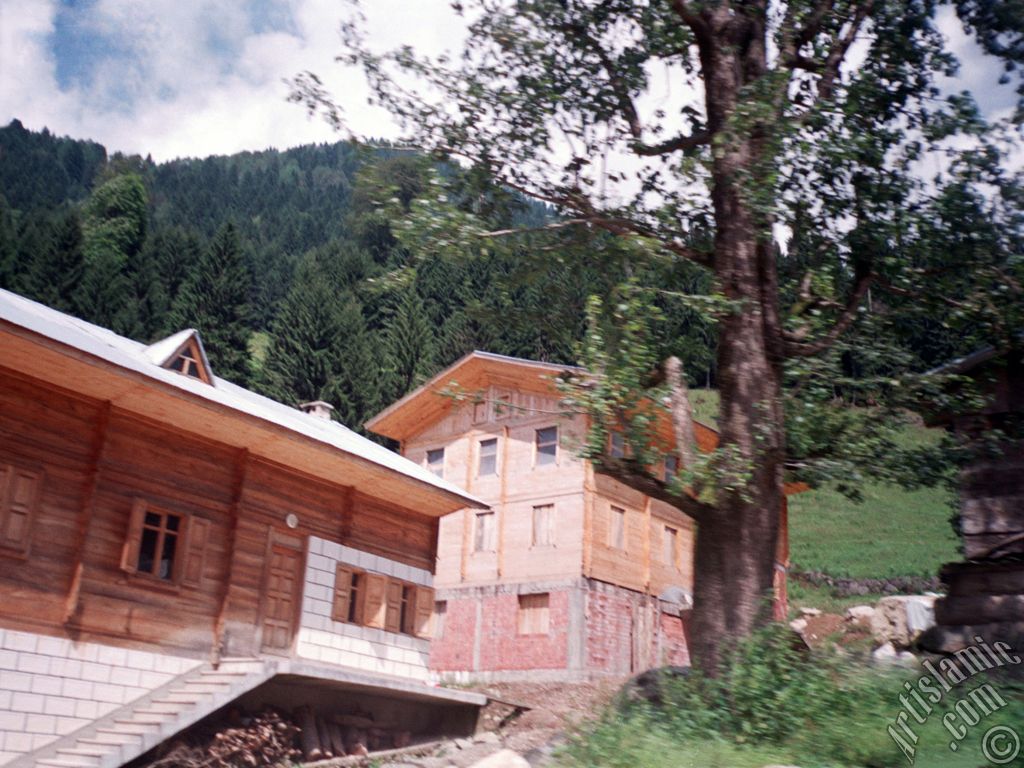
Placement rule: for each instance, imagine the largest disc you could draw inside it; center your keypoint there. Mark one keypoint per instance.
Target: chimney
(317, 408)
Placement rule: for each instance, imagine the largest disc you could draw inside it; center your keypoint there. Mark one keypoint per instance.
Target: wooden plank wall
(51, 432)
(244, 498)
(640, 564)
(519, 485)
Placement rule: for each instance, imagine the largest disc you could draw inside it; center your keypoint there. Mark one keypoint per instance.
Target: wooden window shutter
(19, 497)
(130, 551)
(423, 623)
(195, 551)
(393, 615)
(375, 607)
(342, 592)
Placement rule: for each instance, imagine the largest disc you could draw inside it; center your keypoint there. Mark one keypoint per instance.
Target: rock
(544, 754)
(900, 619)
(884, 654)
(506, 758)
(487, 737)
(647, 686)
(860, 615)
(887, 655)
(810, 611)
(798, 625)
(463, 743)
(906, 659)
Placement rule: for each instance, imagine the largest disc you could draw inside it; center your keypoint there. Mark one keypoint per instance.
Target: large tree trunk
(735, 550)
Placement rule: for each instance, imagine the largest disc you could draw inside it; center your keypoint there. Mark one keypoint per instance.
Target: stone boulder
(860, 615)
(506, 758)
(900, 619)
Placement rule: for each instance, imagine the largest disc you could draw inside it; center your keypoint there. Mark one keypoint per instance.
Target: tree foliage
(790, 166)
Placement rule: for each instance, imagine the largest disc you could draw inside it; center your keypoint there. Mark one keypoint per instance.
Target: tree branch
(672, 145)
(697, 24)
(633, 476)
(794, 347)
(840, 47)
(614, 225)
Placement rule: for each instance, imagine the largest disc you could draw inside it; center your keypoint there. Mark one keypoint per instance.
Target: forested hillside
(290, 265)
(324, 272)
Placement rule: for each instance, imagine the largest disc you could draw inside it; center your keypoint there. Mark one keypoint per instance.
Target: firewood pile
(272, 738)
(242, 742)
(323, 738)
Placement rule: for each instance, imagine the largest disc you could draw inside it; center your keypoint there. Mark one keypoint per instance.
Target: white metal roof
(133, 356)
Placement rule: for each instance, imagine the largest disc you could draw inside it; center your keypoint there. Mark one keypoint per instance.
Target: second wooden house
(569, 574)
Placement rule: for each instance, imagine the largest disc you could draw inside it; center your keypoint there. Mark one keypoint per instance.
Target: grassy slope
(893, 532)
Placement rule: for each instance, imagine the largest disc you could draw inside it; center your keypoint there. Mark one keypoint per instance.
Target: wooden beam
(588, 519)
(85, 515)
(647, 544)
(237, 492)
(502, 500)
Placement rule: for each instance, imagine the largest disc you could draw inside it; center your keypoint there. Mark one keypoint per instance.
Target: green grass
(891, 532)
(774, 704)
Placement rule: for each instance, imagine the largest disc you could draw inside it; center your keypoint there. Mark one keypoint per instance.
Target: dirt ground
(506, 723)
(554, 708)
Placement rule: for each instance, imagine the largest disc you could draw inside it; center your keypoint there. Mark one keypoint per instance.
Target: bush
(776, 702)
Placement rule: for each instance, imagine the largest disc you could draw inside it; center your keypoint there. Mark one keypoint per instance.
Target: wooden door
(281, 596)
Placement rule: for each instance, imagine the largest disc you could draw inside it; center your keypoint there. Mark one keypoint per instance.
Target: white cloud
(193, 77)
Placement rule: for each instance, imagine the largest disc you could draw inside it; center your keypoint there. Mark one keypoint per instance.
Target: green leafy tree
(361, 367)
(776, 124)
(214, 299)
(410, 345)
(54, 274)
(114, 231)
(304, 359)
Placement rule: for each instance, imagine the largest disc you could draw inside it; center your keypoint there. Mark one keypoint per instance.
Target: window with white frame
(484, 531)
(488, 463)
(435, 461)
(546, 443)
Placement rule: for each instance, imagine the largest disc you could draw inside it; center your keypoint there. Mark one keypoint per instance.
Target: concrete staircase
(134, 729)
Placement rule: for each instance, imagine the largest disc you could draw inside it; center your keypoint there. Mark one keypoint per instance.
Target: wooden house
(170, 541)
(568, 574)
(985, 593)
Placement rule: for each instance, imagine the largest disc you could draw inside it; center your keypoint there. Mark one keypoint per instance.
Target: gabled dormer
(183, 353)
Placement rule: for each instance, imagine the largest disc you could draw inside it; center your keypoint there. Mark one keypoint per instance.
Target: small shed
(985, 593)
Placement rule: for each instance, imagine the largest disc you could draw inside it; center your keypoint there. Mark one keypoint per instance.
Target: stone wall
(51, 686)
(371, 650)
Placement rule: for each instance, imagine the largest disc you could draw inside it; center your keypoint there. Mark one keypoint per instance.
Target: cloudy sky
(180, 78)
(192, 77)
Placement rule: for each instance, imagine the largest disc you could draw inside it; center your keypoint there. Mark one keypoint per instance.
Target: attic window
(189, 362)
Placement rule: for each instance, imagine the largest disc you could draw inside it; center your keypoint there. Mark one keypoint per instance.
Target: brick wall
(609, 623)
(499, 646)
(502, 648)
(674, 649)
(365, 648)
(452, 649)
(51, 686)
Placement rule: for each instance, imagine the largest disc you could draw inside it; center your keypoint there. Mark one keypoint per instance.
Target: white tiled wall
(50, 686)
(364, 648)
